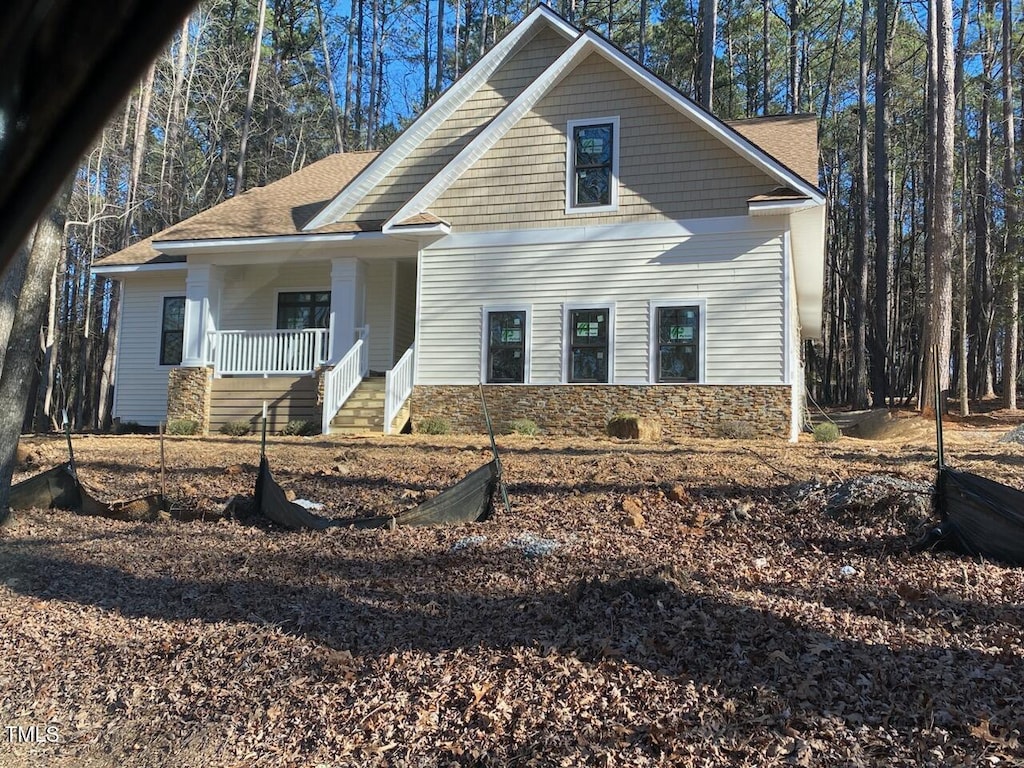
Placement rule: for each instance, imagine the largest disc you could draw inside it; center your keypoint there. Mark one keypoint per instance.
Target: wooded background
(917, 118)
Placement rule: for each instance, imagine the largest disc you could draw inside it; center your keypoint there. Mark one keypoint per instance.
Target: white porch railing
(270, 353)
(397, 387)
(341, 381)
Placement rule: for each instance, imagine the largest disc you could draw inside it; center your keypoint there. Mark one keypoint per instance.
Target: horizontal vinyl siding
(140, 390)
(459, 129)
(740, 275)
(249, 295)
(669, 167)
(380, 277)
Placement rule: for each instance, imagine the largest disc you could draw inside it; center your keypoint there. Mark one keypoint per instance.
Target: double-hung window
(589, 340)
(506, 346)
(677, 349)
(592, 161)
(303, 309)
(172, 330)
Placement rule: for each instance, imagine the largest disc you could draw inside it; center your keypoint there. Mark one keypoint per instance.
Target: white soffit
(443, 108)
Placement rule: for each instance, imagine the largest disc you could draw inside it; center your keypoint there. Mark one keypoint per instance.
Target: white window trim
(567, 343)
(485, 341)
(160, 330)
(570, 171)
(652, 321)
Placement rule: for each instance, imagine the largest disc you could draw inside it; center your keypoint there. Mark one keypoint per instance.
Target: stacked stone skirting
(688, 410)
(188, 395)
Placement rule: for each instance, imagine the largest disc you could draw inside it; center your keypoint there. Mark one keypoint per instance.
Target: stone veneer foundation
(687, 410)
(188, 395)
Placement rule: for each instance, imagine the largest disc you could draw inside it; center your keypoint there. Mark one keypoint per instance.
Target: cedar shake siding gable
(448, 139)
(670, 168)
(379, 174)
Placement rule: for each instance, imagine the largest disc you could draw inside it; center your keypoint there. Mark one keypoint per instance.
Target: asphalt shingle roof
(284, 207)
(790, 139)
(279, 209)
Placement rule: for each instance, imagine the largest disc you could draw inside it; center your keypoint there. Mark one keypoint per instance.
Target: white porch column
(202, 311)
(348, 288)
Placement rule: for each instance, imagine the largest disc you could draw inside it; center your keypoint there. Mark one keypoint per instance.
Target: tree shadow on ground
(667, 622)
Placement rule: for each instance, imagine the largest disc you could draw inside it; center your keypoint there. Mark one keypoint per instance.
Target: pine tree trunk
(347, 129)
(881, 361)
(44, 408)
(426, 54)
(329, 77)
(375, 74)
(173, 121)
(981, 297)
(939, 312)
(1011, 296)
(138, 152)
(105, 402)
(254, 69)
(765, 49)
(439, 72)
(709, 24)
(860, 263)
(19, 358)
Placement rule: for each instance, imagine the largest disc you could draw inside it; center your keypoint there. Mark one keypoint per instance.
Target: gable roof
(443, 108)
(586, 44)
(315, 199)
(279, 209)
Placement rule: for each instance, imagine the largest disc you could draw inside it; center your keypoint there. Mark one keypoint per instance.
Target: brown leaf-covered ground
(744, 623)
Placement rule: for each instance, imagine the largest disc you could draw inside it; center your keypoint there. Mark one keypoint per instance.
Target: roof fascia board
(421, 229)
(120, 269)
(779, 207)
(274, 243)
(497, 128)
(587, 43)
(443, 108)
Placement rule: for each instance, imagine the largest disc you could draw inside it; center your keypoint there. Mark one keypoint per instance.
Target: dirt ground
(697, 603)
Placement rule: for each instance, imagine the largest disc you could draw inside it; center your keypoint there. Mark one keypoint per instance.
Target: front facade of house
(560, 226)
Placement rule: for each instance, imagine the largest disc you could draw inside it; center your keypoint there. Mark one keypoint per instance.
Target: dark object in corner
(467, 501)
(980, 517)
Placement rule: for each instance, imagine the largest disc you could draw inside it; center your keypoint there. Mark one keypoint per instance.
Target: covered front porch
(337, 321)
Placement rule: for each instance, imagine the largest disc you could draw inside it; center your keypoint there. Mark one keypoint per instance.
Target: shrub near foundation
(299, 428)
(434, 425)
(826, 432)
(182, 427)
(523, 427)
(236, 428)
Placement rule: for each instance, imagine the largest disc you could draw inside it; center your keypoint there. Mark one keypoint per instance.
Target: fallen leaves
(720, 632)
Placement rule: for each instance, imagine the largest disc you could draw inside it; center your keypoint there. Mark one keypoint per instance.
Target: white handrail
(397, 387)
(276, 352)
(341, 380)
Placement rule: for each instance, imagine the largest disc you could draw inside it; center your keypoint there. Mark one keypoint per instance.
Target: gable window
(172, 330)
(592, 165)
(506, 346)
(677, 352)
(589, 345)
(303, 309)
